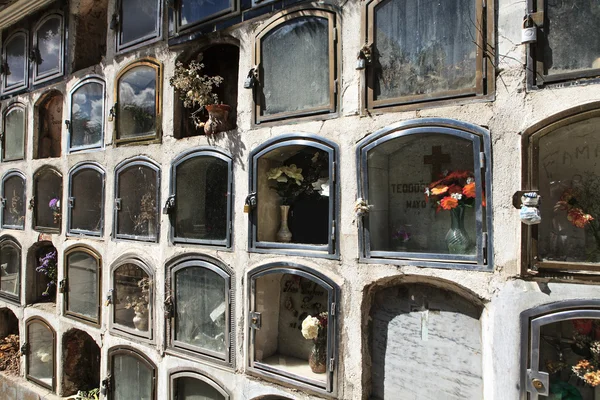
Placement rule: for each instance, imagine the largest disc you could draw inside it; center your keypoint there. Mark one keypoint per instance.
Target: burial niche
(82, 284)
(86, 127)
(42, 270)
(132, 374)
(191, 386)
(12, 200)
(10, 268)
(49, 126)
(86, 200)
(81, 363)
(40, 353)
(90, 38)
(47, 204)
(13, 140)
(10, 356)
(418, 331)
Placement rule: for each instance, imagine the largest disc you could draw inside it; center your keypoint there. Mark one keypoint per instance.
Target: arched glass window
(132, 299)
(12, 200)
(10, 268)
(138, 94)
(86, 200)
(137, 191)
(133, 376)
(48, 46)
(82, 285)
(15, 75)
(48, 132)
(295, 180)
(201, 296)
(190, 13)
(292, 322)
(201, 186)
(561, 164)
(86, 127)
(188, 385)
(47, 200)
(427, 184)
(40, 353)
(14, 121)
(310, 71)
(139, 23)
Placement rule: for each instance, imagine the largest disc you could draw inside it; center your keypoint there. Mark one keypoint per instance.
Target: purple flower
(54, 204)
(401, 235)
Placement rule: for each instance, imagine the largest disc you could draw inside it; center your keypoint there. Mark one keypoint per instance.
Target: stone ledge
(17, 388)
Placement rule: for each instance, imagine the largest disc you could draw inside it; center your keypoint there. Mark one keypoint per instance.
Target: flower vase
(217, 118)
(317, 360)
(457, 239)
(140, 321)
(283, 234)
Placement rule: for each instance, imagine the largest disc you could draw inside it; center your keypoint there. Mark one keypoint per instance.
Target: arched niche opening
(48, 132)
(90, 33)
(219, 59)
(192, 385)
(80, 362)
(40, 353)
(10, 269)
(47, 192)
(10, 359)
(417, 327)
(42, 269)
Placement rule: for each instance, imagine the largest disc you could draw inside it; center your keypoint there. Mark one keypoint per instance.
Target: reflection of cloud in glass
(87, 111)
(49, 45)
(15, 58)
(128, 95)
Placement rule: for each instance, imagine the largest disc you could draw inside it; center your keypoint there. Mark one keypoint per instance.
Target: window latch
(169, 205)
(35, 56)
(105, 387)
(255, 320)
(118, 204)
(2, 136)
(25, 348)
(109, 298)
(529, 31)
(252, 78)
(169, 307)
(115, 22)
(68, 125)
(250, 203)
(4, 70)
(112, 113)
(71, 202)
(3, 202)
(364, 57)
(32, 203)
(62, 286)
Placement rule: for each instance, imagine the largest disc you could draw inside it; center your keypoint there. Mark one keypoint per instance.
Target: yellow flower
(274, 173)
(310, 327)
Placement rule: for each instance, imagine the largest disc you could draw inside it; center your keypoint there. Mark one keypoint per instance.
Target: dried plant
(139, 302)
(10, 355)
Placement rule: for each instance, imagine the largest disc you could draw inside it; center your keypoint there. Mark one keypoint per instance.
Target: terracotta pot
(217, 118)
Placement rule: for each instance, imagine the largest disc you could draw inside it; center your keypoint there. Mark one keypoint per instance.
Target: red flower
(583, 326)
(448, 203)
(578, 218)
(454, 189)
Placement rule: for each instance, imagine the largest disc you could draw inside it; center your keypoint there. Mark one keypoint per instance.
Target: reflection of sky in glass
(15, 57)
(86, 115)
(14, 126)
(196, 10)
(49, 45)
(138, 19)
(137, 110)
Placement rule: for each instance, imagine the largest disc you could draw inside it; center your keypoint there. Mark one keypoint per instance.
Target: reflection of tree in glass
(16, 208)
(141, 115)
(88, 130)
(143, 216)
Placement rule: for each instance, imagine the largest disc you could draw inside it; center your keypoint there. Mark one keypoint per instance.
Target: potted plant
(139, 303)
(196, 91)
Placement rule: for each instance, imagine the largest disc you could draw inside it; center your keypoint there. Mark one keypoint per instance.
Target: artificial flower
(456, 196)
(310, 327)
(439, 190)
(578, 218)
(469, 190)
(448, 203)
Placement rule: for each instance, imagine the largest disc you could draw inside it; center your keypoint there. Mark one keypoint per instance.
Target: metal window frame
(484, 74)
(70, 203)
(531, 322)
(95, 255)
(333, 291)
(139, 356)
(480, 138)
(530, 256)
(155, 36)
(329, 250)
(89, 79)
(277, 21)
(13, 107)
(209, 152)
(122, 330)
(55, 72)
(46, 324)
(123, 166)
(9, 241)
(194, 374)
(7, 175)
(18, 86)
(156, 136)
(179, 28)
(204, 262)
(39, 174)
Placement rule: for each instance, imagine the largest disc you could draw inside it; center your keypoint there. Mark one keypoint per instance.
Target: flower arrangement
(586, 338)
(456, 189)
(315, 328)
(54, 205)
(401, 235)
(195, 88)
(48, 267)
(139, 302)
(93, 394)
(288, 182)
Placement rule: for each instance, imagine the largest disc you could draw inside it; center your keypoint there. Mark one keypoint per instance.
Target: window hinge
(2, 136)
(35, 56)
(114, 22)
(335, 34)
(63, 286)
(118, 204)
(71, 202)
(105, 386)
(482, 160)
(333, 230)
(2, 202)
(333, 171)
(32, 203)
(335, 86)
(255, 320)
(25, 348)
(331, 364)
(484, 239)
(68, 125)
(485, 68)
(169, 205)
(332, 308)
(230, 227)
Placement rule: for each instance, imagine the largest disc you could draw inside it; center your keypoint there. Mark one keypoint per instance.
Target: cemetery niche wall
(421, 330)
(428, 187)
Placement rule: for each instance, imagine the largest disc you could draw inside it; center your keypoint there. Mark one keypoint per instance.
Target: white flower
(456, 196)
(43, 355)
(470, 180)
(310, 327)
(427, 192)
(321, 186)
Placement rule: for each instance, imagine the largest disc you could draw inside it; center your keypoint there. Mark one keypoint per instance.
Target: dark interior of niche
(38, 283)
(81, 363)
(9, 342)
(222, 60)
(90, 33)
(49, 126)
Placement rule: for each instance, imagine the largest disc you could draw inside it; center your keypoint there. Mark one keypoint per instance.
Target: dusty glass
(48, 200)
(49, 44)
(10, 269)
(87, 187)
(13, 212)
(132, 378)
(191, 11)
(40, 358)
(139, 20)
(132, 297)
(14, 135)
(82, 278)
(16, 61)
(87, 114)
(138, 213)
(136, 115)
(195, 389)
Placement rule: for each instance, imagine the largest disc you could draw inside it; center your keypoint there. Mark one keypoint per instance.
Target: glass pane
(48, 200)
(132, 378)
(201, 206)
(82, 275)
(137, 103)
(49, 43)
(14, 130)
(40, 359)
(201, 302)
(138, 19)
(195, 389)
(132, 294)
(15, 58)
(86, 189)
(424, 47)
(402, 217)
(288, 339)
(298, 177)
(137, 190)
(568, 352)
(10, 267)
(87, 114)
(569, 46)
(193, 11)
(569, 180)
(14, 208)
(303, 72)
